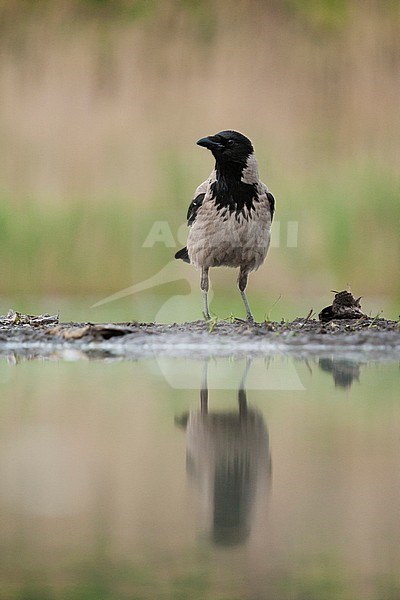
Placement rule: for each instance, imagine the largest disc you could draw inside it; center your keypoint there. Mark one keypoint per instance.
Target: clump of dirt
(100, 331)
(14, 317)
(344, 306)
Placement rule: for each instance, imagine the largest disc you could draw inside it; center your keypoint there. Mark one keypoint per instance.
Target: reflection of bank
(228, 463)
(344, 371)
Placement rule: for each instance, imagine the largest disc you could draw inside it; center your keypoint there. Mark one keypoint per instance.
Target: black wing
(271, 201)
(191, 217)
(193, 209)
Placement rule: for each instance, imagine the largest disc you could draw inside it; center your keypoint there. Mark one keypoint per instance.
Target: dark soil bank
(44, 336)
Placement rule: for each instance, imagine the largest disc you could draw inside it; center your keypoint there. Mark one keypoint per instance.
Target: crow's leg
(242, 282)
(242, 397)
(204, 289)
(204, 389)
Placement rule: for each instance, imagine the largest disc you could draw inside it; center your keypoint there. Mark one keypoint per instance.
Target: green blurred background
(102, 102)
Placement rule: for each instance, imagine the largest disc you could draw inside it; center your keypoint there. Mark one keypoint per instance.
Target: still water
(221, 479)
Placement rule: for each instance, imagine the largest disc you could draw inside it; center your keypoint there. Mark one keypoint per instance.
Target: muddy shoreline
(45, 336)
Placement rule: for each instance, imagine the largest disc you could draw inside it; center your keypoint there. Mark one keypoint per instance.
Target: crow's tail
(183, 254)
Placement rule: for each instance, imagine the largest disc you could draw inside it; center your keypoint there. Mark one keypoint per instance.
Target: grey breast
(221, 238)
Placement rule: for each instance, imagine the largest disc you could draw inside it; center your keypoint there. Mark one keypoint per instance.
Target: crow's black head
(228, 147)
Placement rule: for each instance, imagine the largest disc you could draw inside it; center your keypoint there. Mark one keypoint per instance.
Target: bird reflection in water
(228, 462)
(344, 371)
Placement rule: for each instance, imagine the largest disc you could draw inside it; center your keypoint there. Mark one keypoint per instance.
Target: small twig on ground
(308, 317)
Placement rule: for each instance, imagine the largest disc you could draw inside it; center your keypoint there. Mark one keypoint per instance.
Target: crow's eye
(230, 142)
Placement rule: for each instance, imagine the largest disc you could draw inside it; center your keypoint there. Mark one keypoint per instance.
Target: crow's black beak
(211, 143)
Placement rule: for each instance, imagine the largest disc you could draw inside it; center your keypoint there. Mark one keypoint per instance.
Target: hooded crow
(231, 213)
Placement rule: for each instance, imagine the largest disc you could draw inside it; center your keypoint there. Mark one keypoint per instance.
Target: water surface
(214, 479)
